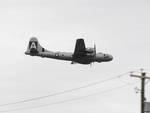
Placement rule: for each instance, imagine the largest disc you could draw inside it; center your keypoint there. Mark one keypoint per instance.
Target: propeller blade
(94, 49)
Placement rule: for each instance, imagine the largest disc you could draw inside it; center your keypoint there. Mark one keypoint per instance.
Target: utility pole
(142, 77)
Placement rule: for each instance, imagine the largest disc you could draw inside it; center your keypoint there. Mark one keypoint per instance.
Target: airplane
(81, 54)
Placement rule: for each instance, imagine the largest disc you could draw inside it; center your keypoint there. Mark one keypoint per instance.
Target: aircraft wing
(80, 49)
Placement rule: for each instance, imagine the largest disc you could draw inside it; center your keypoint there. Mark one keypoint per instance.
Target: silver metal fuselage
(68, 56)
(81, 54)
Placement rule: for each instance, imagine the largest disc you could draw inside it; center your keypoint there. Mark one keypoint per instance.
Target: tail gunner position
(81, 54)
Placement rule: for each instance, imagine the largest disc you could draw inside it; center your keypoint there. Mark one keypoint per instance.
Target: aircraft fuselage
(86, 59)
(83, 57)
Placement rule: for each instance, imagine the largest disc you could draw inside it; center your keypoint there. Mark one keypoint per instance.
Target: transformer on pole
(142, 77)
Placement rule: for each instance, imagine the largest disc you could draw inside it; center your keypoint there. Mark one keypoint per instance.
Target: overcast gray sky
(117, 27)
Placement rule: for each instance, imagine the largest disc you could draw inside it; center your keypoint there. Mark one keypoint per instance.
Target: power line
(65, 91)
(70, 100)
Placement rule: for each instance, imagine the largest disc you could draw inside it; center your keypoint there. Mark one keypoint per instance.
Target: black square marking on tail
(31, 42)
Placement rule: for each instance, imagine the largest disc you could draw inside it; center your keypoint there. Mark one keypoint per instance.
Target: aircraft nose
(110, 57)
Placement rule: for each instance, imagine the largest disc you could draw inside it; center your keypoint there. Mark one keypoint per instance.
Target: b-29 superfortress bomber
(81, 54)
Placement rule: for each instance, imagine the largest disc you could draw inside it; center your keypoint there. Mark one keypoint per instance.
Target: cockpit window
(106, 56)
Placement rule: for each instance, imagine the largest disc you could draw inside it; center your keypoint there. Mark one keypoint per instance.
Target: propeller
(94, 50)
(93, 54)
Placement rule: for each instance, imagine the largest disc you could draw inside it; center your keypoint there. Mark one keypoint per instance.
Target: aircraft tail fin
(34, 47)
